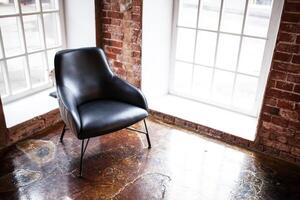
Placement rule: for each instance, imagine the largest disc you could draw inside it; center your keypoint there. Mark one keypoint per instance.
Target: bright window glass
(30, 35)
(220, 46)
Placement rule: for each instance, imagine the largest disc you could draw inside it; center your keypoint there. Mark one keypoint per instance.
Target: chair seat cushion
(104, 116)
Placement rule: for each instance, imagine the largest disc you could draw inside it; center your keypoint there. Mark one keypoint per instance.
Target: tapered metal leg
(83, 149)
(147, 135)
(63, 133)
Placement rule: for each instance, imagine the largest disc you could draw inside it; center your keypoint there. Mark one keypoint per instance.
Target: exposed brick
(271, 84)
(294, 142)
(270, 101)
(288, 114)
(118, 64)
(288, 27)
(287, 37)
(284, 86)
(116, 15)
(288, 48)
(278, 75)
(294, 125)
(286, 104)
(287, 156)
(283, 95)
(292, 7)
(279, 121)
(298, 39)
(271, 110)
(286, 57)
(291, 17)
(265, 117)
(295, 78)
(296, 59)
(295, 151)
(282, 139)
(286, 67)
(106, 20)
(297, 88)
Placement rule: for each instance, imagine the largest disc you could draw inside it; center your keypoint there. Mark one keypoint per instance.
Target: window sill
(230, 122)
(29, 107)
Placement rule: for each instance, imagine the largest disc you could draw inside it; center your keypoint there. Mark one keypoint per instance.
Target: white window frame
(9, 97)
(274, 23)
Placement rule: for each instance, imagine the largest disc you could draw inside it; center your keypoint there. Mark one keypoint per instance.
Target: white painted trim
(173, 45)
(274, 23)
(267, 58)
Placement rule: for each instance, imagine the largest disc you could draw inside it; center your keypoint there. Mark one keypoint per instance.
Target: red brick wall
(121, 37)
(279, 128)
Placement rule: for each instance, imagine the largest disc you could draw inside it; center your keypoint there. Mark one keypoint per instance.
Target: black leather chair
(93, 101)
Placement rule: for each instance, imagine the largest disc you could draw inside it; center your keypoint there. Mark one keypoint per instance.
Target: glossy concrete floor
(180, 166)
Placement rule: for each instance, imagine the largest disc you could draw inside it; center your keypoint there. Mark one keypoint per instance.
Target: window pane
(232, 17)
(202, 82)
(12, 36)
(183, 77)
(51, 55)
(33, 32)
(228, 51)
(222, 87)
(29, 6)
(185, 44)
(50, 4)
(258, 17)
(188, 13)
(209, 14)
(8, 7)
(52, 30)
(2, 82)
(38, 68)
(245, 92)
(16, 72)
(206, 45)
(252, 53)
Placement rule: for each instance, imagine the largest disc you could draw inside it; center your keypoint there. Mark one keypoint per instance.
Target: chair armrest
(68, 101)
(125, 92)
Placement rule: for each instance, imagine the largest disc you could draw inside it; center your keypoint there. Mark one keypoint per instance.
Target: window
(31, 31)
(223, 51)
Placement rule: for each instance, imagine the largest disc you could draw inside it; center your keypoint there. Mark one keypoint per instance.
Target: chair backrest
(85, 72)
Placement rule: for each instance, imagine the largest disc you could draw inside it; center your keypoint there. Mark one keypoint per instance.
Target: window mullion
(5, 74)
(195, 44)
(239, 52)
(216, 49)
(27, 70)
(44, 39)
(224, 32)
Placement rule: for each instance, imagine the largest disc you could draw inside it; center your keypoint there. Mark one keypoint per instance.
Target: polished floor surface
(180, 166)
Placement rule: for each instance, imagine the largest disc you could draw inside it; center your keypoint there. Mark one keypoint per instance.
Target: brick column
(279, 128)
(121, 33)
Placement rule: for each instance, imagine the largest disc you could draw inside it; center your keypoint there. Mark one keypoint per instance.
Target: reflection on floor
(181, 165)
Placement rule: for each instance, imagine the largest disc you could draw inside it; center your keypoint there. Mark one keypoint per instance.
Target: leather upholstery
(92, 99)
(105, 116)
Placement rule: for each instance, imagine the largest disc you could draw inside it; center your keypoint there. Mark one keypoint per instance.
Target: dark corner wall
(119, 32)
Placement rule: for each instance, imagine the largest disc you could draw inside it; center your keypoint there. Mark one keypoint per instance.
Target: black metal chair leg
(147, 134)
(63, 133)
(83, 149)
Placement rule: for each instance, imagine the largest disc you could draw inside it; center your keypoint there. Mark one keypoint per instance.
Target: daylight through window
(220, 51)
(30, 34)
